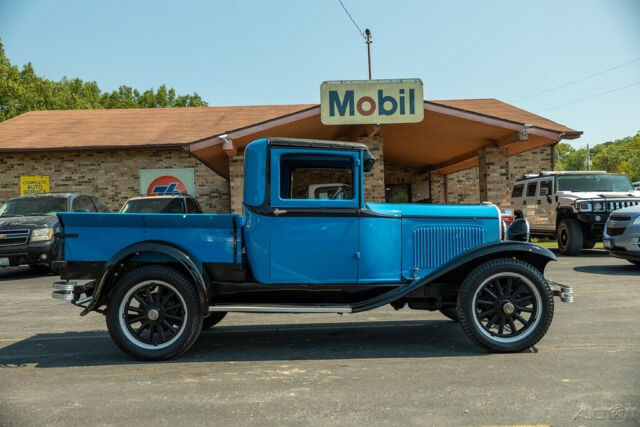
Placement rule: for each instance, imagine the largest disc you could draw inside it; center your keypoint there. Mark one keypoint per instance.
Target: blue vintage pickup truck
(161, 278)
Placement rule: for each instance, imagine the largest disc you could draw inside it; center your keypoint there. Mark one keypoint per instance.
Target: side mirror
(369, 161)
(519, 230)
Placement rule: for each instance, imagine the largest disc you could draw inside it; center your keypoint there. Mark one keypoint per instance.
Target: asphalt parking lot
(375, 368)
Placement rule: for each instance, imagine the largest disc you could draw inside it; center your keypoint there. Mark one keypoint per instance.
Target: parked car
(621, 236)
(160, 279)
(571, 207)
(30, 230)
(636, 185)
(507, 216)
(183, 203)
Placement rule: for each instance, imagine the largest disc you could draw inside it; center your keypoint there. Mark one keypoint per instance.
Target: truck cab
(161, 278)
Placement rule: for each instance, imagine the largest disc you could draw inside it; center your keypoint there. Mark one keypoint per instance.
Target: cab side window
(531, 188)
(318, 177)
(518, 189)
(192, 206)
(546, 187)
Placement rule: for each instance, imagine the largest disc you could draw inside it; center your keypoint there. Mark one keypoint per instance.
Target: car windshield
(154, 205)
(609, 182)
(34, 206)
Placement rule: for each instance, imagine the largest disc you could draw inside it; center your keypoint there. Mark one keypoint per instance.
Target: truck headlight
(41, 234)
(584, 206)
(598, 207)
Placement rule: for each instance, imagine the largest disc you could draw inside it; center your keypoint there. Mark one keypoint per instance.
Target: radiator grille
(613, 205)
(13, 237)
(434, 246)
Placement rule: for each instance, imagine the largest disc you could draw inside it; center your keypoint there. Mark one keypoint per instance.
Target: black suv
(29, 227)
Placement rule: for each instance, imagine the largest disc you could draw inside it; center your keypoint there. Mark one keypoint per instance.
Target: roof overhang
(447, 140)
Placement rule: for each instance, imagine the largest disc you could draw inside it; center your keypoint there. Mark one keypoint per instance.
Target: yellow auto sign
(36, 184)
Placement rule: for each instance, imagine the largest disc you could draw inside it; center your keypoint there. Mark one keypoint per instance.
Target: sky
(280, 51)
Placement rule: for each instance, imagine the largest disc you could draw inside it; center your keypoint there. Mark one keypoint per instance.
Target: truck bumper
(71, 291)
(40, 254)
(559, 290)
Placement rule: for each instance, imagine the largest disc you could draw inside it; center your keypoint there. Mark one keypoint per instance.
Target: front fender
(193, 266)
(528, 252)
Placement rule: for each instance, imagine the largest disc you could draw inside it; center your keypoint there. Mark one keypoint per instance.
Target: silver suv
(571, 207)
(622, 234)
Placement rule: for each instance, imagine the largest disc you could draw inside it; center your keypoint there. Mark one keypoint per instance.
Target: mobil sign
(371, 101)
(164, 182)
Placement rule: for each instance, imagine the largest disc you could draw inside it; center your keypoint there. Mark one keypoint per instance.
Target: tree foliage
(621, 155)
(22, 90)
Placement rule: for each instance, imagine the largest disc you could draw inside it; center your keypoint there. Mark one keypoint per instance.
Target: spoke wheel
(154, 313)
(505, 305)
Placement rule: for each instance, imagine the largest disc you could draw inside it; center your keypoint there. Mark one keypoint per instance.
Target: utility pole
(588, 158)
(368, 41)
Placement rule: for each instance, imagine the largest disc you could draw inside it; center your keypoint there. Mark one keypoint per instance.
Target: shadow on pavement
(22, 272)
(609, 270)
(353, 340)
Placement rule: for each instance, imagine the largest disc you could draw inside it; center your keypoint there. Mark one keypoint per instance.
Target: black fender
(168, 252)
(535, 255)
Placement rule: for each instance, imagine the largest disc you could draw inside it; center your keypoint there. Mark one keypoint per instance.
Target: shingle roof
(157, 127)
(68, 129)
(495, 108)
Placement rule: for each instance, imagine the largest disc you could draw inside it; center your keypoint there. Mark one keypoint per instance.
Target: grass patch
(552, 244)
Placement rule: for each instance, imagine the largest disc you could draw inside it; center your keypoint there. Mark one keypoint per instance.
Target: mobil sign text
(371, 101)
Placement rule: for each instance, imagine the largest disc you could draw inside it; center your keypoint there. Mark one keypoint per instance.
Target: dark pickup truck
(30, 230)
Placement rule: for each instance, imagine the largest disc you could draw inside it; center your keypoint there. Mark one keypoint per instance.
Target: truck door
(531, 203)
(546, 211)
(314, 234)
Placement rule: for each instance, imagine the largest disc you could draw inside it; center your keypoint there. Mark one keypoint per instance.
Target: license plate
(4, 262)
(607, 243)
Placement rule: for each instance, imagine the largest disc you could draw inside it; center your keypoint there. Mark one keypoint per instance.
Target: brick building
(464, 151)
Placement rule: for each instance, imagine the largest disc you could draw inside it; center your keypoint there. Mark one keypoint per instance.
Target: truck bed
(97, 237)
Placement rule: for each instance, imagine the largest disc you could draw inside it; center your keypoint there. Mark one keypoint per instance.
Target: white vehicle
(572, 207)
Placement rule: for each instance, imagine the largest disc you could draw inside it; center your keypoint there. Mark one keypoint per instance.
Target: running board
(280, 308)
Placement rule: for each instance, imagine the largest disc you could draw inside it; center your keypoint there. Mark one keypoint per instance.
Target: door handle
(277, 211)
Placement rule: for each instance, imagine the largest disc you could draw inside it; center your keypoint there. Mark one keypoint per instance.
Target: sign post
(371, 101)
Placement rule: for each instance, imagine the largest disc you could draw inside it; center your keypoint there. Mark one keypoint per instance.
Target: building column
(374, 188)
(438, 187)
(236, 182)
(493, 174)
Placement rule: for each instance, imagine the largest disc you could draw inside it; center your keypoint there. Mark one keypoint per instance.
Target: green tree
(22, 90)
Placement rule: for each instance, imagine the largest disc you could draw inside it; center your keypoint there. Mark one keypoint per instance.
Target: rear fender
(458, 268)
(148, 252)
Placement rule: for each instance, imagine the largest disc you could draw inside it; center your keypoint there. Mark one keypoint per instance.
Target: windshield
(610, 182)
(154, 205)
(34, 206)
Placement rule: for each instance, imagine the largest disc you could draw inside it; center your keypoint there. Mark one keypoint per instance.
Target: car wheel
(569, 237)
(505, 305)
(450, 312)
(213, 319)
(588, 244)
(154, 313)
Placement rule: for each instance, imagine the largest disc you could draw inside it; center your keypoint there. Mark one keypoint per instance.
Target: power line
(352, 20)
(579, 80)
(592, 96)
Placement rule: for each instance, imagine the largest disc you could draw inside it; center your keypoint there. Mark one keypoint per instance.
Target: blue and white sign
(371, 101)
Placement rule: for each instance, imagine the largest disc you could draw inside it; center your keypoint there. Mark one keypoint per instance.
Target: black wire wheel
(154, 313)
(505, 305)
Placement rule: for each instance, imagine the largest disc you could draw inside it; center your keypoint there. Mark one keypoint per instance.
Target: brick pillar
(493, 174)
(438, 187)
(374, 189)
(236, 182)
